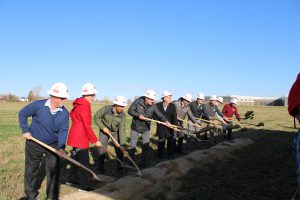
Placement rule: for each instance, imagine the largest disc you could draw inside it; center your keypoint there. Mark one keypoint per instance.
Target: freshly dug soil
(262, 171)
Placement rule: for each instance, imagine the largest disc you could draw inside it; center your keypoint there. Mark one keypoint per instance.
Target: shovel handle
(163, 123)
(124, 152)
(65, 157)
(189, 122)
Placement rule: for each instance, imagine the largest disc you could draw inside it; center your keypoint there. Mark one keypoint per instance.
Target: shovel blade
(103, 178)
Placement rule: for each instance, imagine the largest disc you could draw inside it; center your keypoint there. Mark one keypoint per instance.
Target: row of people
(50, 124)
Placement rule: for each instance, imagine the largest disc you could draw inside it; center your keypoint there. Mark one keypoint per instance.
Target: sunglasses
(61, 98)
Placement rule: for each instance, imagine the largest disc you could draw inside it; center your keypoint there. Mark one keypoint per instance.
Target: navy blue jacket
(45, 127)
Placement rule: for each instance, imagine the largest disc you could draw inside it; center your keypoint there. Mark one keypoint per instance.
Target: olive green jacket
(115, 123)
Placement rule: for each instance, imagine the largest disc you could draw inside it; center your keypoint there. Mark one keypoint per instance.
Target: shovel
(99, 177)
(115, 157)
(259, 124)
(139, 173)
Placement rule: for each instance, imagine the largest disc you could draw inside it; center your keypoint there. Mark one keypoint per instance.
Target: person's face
(149, 101)
(90, 98)
(200, 101)
(213, 102)
(58, 101)
(185, 102)
(119, 109)
(167, 99)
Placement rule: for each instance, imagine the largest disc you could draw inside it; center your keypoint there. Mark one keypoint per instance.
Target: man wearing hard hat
(197, 110)
(164, 133)
(141, 108)
(80, 135)
(229, 110)
(50, 124)
(211, 109)
(112, 119)
(183, 109)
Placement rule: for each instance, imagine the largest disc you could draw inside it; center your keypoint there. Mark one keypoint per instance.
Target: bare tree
(9, 98)
(34, 93)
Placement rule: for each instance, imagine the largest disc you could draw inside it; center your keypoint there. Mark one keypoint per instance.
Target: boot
(145, 150)
(101, 161)
(131, 153)
(229, 134)
(160, 149)
(170, 148)
(180, 146)
(224, 134)
(119, 169)
(212, 138)
(174, 146)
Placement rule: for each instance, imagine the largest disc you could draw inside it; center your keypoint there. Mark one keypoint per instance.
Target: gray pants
(104, 139)
(194, 128)
(134, 136)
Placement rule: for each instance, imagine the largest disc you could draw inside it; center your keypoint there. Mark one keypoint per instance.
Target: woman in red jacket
(81, 134)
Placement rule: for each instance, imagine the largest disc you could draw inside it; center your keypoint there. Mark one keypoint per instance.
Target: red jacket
(228, 111)
(81, 132)
(294, 96)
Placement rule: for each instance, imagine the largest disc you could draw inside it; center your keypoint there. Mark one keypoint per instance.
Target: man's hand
(141, 117)
(62, 153)
(105, 130)
(199, 124)
(168, 124)
(100, 146)
(224, 121)
(27, 135)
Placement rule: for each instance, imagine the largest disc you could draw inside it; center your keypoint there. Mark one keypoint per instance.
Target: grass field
(276, 119)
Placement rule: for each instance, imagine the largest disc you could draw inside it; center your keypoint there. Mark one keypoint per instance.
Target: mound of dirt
(163, 180)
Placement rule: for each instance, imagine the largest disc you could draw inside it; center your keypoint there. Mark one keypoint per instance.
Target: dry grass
(12, 143)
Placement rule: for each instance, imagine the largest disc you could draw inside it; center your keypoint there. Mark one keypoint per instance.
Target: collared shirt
(165, 106)
(53, 112)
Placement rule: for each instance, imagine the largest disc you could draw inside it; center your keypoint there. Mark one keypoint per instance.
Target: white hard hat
(88, 89)
(150, 94)
(188, 97)
(166, 93)
(220, 99)
(234, 100)
(213, 98)
(200, 96)
(59, 90)
(120, 101)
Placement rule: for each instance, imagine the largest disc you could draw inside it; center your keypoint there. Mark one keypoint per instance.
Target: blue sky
(243, 47)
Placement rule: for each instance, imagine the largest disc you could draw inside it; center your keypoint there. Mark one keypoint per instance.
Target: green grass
(12, 143)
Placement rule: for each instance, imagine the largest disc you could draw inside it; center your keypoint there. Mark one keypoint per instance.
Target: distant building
(23, 99)
(258, 101)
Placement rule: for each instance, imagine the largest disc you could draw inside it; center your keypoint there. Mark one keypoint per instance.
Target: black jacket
(137, 108)
(162, 131)
(197, 110)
